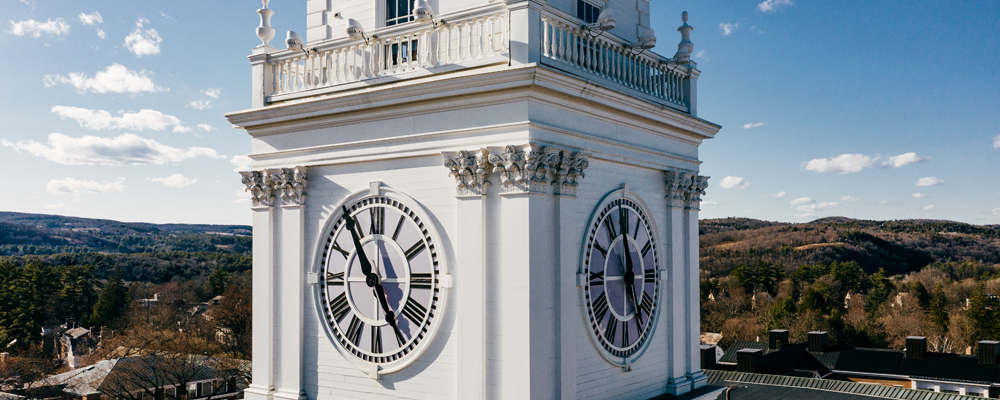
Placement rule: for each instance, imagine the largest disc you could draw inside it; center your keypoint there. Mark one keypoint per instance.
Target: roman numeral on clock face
(597, 278)
(415, 249)
(604, 252)
(624, 337)
(420, 280)
(414, 311)
(399, 227)
(339, 307)
(647, 248)
(647, 305)
(336, 247)
(610, 228)
(376, 339)
(335, 279)
(600, 305)
(609, 332)
(649, 276)
(354, 330)
(377, 226)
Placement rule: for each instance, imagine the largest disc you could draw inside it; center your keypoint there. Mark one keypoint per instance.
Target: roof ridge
(864, 389)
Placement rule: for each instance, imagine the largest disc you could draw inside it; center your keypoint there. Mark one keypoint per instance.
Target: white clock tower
(474, 199)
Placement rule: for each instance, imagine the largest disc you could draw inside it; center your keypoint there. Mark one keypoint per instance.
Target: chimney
(747, 360)
(777, 339)
(916, 346)
(816, 341)
(707, 356)
(988, 350)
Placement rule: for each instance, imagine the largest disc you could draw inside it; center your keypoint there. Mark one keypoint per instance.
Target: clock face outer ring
(583, 266)
(442, 296)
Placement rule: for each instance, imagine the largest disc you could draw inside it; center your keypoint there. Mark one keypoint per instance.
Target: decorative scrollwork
(260, 186)
(470, 170)
(570, 171)
(527, 168)
(291, 182)
(510, 166)
(684, 189)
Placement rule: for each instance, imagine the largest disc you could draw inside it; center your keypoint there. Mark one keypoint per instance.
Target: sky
(875, 110)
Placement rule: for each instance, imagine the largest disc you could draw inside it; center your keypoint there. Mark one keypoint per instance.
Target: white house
(471, 199)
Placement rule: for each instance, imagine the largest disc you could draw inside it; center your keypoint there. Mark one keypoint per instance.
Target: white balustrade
(403, 49)
(565, 41)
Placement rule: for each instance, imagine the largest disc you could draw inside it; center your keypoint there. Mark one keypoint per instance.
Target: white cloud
(56, 206)
(996, 142)
(754, 125)
(200, 105)
(182, 129)
(100, 33)
(996, 211)
(842, 164)
(100, 119)
(127, 149)
(817, 206)
(213, 92)
(143, 42)
(904, 160)
(206, 127)
(710, 203)
(805, 215)
(91, 19)
(733, 182)
(175, 180)
(728, 29)
(36, 29)
(779, 194)
(918, 195)
(929, 181)
(115, 79)
(849, 199)
(801, 200)
(701, 55)
(771, 5)
(928, 208)
(242, 163)
(76, 188)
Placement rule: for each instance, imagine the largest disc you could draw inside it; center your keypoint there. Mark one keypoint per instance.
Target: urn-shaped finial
(685, 47)
(265, 32)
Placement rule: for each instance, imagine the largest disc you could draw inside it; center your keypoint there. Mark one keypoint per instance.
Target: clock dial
(621, 288)
(379, 280)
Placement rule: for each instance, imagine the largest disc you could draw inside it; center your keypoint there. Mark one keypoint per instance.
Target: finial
(684, 15)
(685, 47)
(265, 32)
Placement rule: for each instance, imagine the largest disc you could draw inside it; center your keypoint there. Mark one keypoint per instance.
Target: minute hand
(366, 267)
(629, 276)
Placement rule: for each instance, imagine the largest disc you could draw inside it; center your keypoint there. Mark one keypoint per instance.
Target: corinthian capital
(291, 184)
(260, 186)
(469, 169)
(570, 171)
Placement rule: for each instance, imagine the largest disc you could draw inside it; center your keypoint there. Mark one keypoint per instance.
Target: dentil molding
(527, 168)
(289, 183)
(684, 189)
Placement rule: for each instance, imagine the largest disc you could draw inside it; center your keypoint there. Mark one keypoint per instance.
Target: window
(587, 12)
(398, 12)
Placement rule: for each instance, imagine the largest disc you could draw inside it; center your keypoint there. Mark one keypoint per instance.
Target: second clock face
(622, 289)
(401, 262)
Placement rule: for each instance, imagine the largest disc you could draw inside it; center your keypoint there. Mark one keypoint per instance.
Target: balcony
(474, 38)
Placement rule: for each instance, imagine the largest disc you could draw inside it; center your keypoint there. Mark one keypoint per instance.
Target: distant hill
(898, 246)
(41, 234)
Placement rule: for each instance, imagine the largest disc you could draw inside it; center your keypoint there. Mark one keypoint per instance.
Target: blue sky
(876, 110)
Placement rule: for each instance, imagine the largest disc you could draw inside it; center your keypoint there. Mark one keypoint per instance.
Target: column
(469, 168)
(262, 200)
(290, 184)
(675, 303)
(571, 167)
(692, 296)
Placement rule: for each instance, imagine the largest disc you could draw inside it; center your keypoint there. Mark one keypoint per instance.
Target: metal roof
(819, 389)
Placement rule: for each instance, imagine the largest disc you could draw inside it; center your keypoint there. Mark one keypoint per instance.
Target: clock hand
(390, 317)
(629, 276)
(366, 267)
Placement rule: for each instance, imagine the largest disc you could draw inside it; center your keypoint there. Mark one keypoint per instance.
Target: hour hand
(390, 316)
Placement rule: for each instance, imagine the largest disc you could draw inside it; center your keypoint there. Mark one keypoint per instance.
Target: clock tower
(472, 199)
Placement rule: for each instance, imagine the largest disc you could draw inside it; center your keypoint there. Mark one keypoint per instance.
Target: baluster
(562, 43)
(411, 53)
(571, 43)
(285, 69)
(481, 36)
(310, 77)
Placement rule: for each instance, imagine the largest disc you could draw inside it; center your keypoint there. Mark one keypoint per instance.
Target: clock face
(621, 289)
(379, 281)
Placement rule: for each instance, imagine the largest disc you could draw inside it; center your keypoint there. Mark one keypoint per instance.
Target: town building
(464, 199)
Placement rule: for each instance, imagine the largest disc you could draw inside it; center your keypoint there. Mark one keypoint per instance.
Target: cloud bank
(143, 42)
(127, 149)
(114, 79)
(733, 182)
(175, 180)
(35, 29)
(100, 119)
(75, 187)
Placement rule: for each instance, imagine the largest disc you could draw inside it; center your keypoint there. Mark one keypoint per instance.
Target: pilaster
(262, 200)
(692, 296)
(469, 168)
(677, 184)
(290, 185)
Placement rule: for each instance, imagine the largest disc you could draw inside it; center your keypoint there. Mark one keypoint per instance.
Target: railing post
(690, 87)
(263, 77)
(525, 31)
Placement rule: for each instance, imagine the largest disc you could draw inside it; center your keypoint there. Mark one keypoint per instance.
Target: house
(912, 368)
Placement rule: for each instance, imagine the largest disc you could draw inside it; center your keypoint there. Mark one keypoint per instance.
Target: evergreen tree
(78, 293)
(981, 314)
(937, 314)
(219, 281)
(919, 292)
(850, 275)
(112, 302)
(881, 290)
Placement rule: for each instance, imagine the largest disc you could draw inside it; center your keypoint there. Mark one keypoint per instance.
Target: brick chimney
(707, 356)
(816, 341)
(916, 346)
(777, 339)
(988, 350)
(747, 360)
